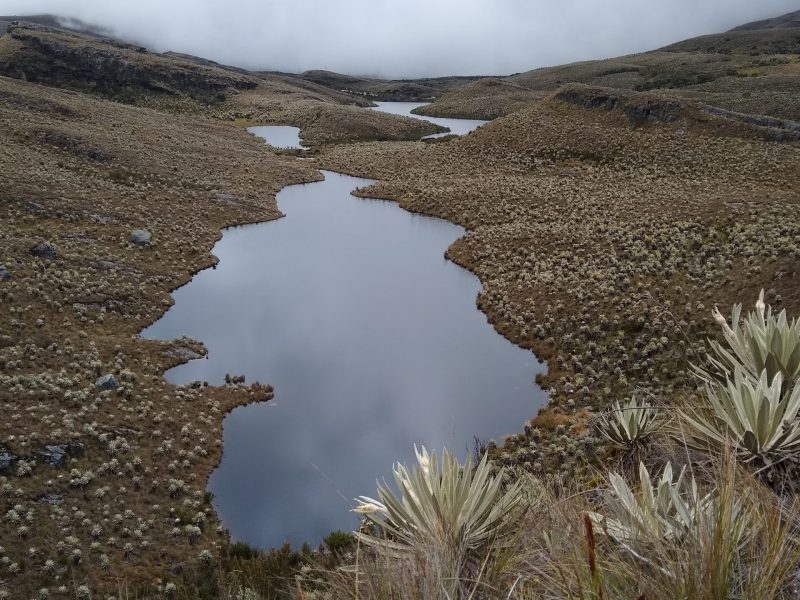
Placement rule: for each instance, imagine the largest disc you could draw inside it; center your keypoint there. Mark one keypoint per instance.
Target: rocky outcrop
(639, 108)
(642, 108)
(775, 129)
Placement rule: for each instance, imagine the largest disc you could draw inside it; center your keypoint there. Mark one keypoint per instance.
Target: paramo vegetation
(609, 208)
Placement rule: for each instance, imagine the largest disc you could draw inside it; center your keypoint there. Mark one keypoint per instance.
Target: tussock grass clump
(735, 541)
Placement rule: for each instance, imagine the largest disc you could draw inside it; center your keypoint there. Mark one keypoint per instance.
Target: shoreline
(354, 192)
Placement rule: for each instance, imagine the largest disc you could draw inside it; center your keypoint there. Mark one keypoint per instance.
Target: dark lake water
(456, 126)
(373, 342)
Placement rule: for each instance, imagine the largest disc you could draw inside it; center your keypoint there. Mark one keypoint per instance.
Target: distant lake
(279, 136)
(456, 126)
(373, 342)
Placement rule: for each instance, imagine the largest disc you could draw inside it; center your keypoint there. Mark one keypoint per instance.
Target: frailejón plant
(446, 514)
(754, 415)
(666, 510)
(761, 342)
(629, 424)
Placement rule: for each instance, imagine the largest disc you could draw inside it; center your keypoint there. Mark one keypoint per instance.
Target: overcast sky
(406, 37)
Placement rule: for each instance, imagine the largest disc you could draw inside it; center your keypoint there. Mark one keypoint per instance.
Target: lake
(373, 342)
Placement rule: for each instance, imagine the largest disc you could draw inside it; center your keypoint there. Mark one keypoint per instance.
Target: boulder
(107, 382)
(44, 250)
(141, 237)
(54, 455)
(35, 207)
(5, 274)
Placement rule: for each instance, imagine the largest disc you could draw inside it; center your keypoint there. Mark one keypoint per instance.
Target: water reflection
(279, 136)
(456, 126)
(372, 341)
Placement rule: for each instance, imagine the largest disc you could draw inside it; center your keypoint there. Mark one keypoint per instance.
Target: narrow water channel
(286, 136)
(373, 342)
(456, 126)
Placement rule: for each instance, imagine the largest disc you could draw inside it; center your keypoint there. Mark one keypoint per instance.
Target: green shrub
(242, 550)
(339, 542)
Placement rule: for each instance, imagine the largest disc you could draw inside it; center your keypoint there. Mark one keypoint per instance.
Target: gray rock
(5, 274)
(44, 250)
(107, 382)
(35, 207)
(7, 460)
(53, 499)
(54, 455)
(141, 237)
(57, 453)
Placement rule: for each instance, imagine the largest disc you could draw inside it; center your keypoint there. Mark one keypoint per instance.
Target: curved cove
(456, 126)
(372, 341)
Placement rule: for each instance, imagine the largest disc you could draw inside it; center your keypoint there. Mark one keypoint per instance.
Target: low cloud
(406, 38)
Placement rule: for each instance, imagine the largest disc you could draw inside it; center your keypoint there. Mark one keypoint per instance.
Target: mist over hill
(409, 39)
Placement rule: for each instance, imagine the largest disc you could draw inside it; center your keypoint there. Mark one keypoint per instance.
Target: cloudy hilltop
(410, 39)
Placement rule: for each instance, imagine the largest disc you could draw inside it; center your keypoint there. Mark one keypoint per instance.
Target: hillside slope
(789, 20)
(753, 69)
(191, 85)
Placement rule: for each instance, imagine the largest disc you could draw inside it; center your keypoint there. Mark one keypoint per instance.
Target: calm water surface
(372, 341)
(279, 136)
(456, 126)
